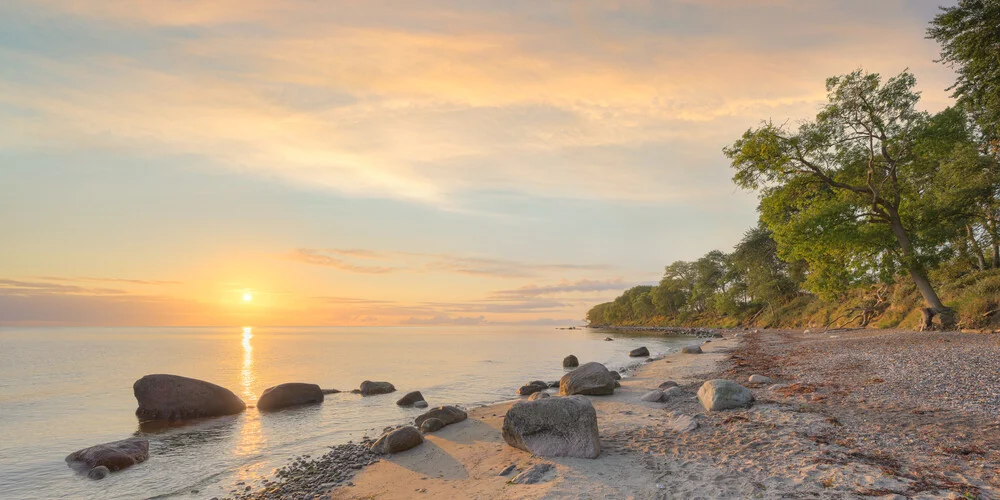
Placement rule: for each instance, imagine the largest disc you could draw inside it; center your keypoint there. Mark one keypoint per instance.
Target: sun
(247, 297)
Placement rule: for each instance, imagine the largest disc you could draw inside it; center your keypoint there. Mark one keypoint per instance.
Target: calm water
(62, 389)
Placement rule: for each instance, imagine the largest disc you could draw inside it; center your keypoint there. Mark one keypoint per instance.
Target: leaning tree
(841, 191)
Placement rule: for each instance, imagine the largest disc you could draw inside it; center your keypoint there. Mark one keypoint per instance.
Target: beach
(848, 415)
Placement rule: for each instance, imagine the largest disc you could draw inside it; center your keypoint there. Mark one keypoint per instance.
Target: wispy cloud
(109, 280)
(563, 287)
(317, 258)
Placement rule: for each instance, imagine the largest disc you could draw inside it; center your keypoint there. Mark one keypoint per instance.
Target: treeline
(871, 211)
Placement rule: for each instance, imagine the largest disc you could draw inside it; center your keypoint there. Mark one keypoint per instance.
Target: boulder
(447, 414)
(115, 456)
(760, 379)
(553, 427)
(721, 394)
(608, 339)
(397, 440)
(172, 397)
(668, 384)
(591, 379)
(420, 404)
(331, 391)
(532, 475)
(571, 362)
(538, 395)
(527, 390)
(652, 396)
(692, 349)
(99, 472)
(507, 470)
(431, 425)
(639, 352)
(369, 388)
(410, 399)
(554, 383)
(616, 375)
(290, 394)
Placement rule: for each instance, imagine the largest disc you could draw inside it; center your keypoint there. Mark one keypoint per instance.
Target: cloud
(563, 287)
(446, 320)
(110, 280)
(315, 257)
(27, 288)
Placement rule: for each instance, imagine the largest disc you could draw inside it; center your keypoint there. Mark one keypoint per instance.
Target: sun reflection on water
(250, 434)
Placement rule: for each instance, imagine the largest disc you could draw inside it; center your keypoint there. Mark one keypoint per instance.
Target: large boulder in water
(172, 397)
(290, 394)
(571, 362)
(639, 352)
(369, 388)
(446, 414)
(553, 427)
(721, 394)
(115, 456)
(410, 399)
(397, 440)
(591, 379)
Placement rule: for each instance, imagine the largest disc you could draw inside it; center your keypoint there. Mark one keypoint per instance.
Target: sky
(395, 163)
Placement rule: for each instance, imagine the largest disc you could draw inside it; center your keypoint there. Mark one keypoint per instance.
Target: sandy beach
(830, 426)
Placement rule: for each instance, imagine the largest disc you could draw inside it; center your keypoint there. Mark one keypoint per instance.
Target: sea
(64, 389)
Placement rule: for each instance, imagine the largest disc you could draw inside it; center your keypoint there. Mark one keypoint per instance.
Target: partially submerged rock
(591, 379)
(692, 349)
(447, 414)
(115, 456)
(98, 473)
(527, 390)
(290, 394)
(639, 352)
(721, 394)
(172, 397)
(420, 404)
(553, 427)
(410, 398)
(397, 440)
(570, 362)
(331, 391)
(533, 475)
(369, 388)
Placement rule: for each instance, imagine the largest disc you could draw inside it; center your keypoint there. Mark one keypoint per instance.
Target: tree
(848, 177)
(969, 34)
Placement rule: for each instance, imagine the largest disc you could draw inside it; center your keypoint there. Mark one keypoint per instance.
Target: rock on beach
(115, 456)
(591, 379)
(446, 414)
(553, 427)
(538, 395)
(639, 352)
(720, 394)
(397, 440)
(692, 349)
(172, 397)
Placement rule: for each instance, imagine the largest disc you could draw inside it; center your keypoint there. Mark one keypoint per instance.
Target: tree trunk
(917, 272)
(991, 225)
(976, 249)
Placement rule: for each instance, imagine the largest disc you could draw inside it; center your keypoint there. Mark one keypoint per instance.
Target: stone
(668, 384)
(99, 472)
(617, 384)
(652, 397)
(608, 339)
(538, 395)
(507, 470)
(533, 475)
(431, 425)
(721, 394)
(397, 440)
(616, 375)
(447, 414)
(571, 362)
(369, 388)
(420, 404)
(527, 390)
(638, 352)
(554, 383)
(760, 379)
(331, 391)
(672, 392)
(692, 349)
(682, 424)
(410, 398)
(591, 379)
(553, 427)
(172, 397)
(290, 394)
(115, 456)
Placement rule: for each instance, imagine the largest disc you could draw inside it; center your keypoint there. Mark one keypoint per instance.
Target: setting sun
(247, 297)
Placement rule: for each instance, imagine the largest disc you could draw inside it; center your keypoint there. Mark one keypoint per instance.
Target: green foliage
(970, 43)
